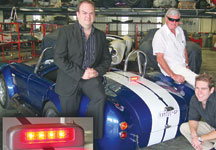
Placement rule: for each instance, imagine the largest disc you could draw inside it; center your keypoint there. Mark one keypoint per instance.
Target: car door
(20, 73)
(37, 90)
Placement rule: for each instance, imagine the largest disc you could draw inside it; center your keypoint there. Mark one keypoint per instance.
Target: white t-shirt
(173, 47)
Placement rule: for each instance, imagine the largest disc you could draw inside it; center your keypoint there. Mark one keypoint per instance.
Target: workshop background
(24, 24)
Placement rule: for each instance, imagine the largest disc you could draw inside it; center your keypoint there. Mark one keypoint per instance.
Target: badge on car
(166, 113)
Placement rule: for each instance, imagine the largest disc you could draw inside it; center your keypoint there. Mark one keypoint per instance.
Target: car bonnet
(151, 104)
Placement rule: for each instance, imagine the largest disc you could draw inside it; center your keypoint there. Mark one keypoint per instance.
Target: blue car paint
(6, 72)
(37, 96)
(51, 95)
(114, 116)
(2, 65)
(111, 139)
(182, 102)
(133, 107)
(20, 76)
(37, 91)
(136, 109)
(179, 88)
(126, 94)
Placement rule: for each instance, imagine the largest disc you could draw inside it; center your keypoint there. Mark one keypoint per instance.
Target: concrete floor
(179, 143)
(209, 62)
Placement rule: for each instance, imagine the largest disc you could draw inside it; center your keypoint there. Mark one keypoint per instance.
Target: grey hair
(173, 12)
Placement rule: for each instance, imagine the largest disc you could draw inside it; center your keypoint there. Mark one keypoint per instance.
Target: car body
(119, 47)
(138, 113)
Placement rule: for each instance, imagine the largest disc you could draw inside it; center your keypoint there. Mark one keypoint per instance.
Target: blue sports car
(141, 110)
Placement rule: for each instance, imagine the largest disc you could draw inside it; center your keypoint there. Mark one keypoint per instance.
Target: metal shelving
(150, 12)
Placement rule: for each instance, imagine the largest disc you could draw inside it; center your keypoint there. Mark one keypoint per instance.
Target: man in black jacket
(83, 57)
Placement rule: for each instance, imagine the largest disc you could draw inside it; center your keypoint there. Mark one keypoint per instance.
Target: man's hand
(160, 59)
(178, 78)
(196, 143)
(89, 73)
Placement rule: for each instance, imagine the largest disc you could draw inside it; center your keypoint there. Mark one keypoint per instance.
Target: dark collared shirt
(196, 111)
(89, 48)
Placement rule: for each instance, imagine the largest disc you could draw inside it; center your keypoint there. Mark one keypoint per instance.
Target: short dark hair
(85, 1)
(207, 78)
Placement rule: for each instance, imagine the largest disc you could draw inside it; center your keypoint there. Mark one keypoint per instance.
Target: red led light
(123, 125)
(123, 135)
(51, 134)
(134, 78)
(30, 136)
(37, 136)
(47, 135)
(41, 135)
(61, 134)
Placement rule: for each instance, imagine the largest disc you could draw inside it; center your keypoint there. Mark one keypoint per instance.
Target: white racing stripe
(155, 105)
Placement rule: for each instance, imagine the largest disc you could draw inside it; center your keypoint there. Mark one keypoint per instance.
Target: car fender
(119, 47)
(145, 98)
(129, 43)
(52, 97)
(114, 115)
(6, 72)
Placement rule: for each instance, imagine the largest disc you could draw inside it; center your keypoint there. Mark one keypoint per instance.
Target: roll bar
(138, 52)
(40, 58)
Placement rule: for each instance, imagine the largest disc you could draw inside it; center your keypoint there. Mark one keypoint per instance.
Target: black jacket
(69, 55)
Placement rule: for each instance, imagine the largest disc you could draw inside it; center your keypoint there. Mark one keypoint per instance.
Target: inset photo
(53, 133)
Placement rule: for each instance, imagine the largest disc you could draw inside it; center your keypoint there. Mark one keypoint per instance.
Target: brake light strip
(24, 121)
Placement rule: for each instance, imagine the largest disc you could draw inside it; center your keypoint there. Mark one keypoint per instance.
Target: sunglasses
(172, 20)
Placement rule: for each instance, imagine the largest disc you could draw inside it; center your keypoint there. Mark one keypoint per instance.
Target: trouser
(186, 73)
(203, 128)
(94, 90)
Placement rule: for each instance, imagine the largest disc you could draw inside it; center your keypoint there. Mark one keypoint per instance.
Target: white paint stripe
(169, 132)
(151, 100)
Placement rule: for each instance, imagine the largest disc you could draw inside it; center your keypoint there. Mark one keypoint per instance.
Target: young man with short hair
(201, 133)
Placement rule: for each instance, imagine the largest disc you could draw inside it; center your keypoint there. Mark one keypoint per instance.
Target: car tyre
(4, 98)
(50, 110)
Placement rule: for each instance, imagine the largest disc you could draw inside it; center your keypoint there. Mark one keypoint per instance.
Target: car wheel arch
(4, 95)
(8, 77)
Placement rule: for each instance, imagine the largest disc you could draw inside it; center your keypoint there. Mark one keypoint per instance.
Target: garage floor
(179, 143)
